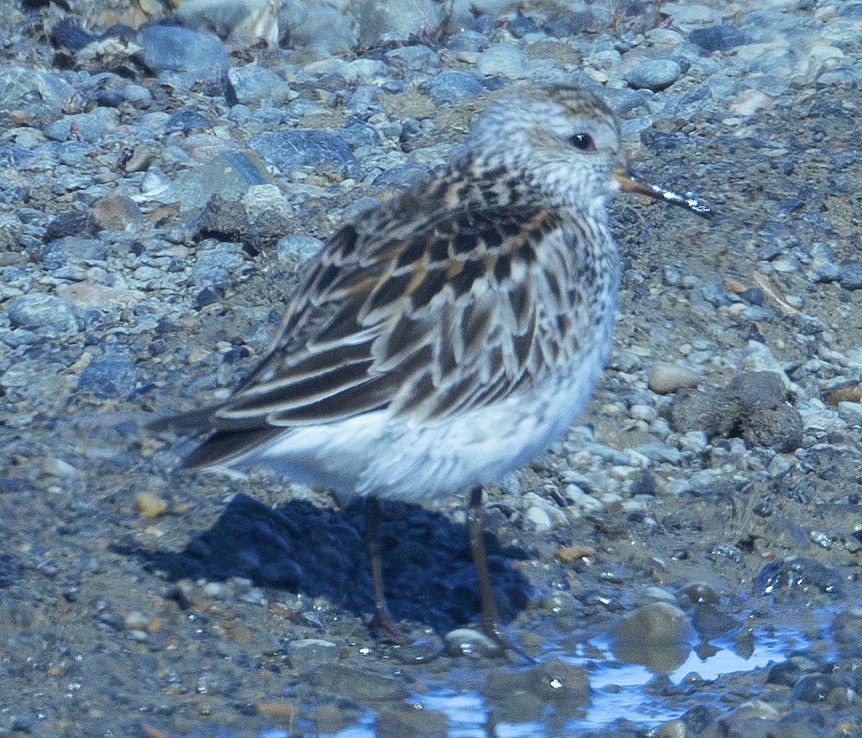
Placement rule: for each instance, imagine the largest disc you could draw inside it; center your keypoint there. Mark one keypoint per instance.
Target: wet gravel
(158, 190)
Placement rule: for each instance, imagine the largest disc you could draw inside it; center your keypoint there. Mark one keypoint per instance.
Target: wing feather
(374, 313)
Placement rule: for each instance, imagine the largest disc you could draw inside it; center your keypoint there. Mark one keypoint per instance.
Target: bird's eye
(583, 141)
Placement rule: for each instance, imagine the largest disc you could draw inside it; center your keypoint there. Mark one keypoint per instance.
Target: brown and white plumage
(470, 291)
(451, 334)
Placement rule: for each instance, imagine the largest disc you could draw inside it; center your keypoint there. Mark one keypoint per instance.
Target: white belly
(371, 454)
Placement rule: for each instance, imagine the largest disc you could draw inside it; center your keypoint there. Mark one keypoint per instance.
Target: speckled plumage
(448, 335)
(451, 334)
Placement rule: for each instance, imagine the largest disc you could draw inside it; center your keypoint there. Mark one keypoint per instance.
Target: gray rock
(666, 378)
(255, 84)
(186, 121)
(308, 653)
(850, 274)
(63, 251)
(525, 694)
(470, 642)
(357, 134)
(656, 634)
(467, 41)
(89, 127)
(318, 32)
(656, 74)
(228, 175)
(449, 87)
(718, 38)
(217, 265)
(417, 58)
(37, 311)
(353, 684)
(711, 621)
(178, 49)
(109, 377)
(503, 59)
(402, 175)
(39, 93)
(289, 248)
(801, 573)
(290, 150)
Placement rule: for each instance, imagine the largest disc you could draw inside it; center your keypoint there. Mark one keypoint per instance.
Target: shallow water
(618, 689)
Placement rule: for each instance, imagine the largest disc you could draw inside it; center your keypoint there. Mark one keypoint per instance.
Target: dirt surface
(138, 601)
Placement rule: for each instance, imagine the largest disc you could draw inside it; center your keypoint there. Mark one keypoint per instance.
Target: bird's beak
(627, 184)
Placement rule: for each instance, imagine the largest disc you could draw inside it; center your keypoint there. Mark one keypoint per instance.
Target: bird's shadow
(427, 568)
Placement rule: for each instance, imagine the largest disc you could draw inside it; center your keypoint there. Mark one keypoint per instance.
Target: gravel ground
(159, 188)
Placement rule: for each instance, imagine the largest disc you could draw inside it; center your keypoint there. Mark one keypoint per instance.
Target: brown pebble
(667, 378)
(150, 505)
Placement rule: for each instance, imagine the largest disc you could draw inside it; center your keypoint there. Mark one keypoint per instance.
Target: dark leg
(381, 621)
(476, 534)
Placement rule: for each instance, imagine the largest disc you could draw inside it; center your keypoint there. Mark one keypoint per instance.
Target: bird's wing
(427, 323)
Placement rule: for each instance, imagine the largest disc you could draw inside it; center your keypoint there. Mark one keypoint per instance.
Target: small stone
(656, 74)
(35, 311)
(308, 653)
(467, 41)
(291, 149)
(718, 38)
(503, 59)
(657, 634)
(137, 620)
(117, 212)
(666, 378)
(451, 86)
(539, 518)
(255, 84)
(38, 93)
(470, 642)
(290, 248)
(354, 684)
(109, 377)
(850, 275)
(400, 20)
(178, 49)
(150, 505)
(228, 175)
(186, 121)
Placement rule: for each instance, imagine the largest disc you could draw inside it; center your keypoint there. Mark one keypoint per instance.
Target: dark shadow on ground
(428, 571)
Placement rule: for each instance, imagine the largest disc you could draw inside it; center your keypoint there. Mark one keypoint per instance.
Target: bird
(448, 335)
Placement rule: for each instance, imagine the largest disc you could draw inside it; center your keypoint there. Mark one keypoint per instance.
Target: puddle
(618, 691)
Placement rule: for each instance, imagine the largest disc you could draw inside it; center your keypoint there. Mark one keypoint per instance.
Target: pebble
(470, 642)
(656, 74)
(718, 38)
(503, 59)
(178, 49)
(666, 378)
(108, 377)
(40, 94)
(38, 311)
(150, 505)
(296, 247)
(290, 150)
(449, 87)
(309, 653)
(354, 684)
(657, 634)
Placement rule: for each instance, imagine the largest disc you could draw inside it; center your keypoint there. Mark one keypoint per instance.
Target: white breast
(371, 454)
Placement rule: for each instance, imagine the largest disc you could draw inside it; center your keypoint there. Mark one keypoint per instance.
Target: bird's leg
(381, 621)
(476, 534)
(490, 623)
